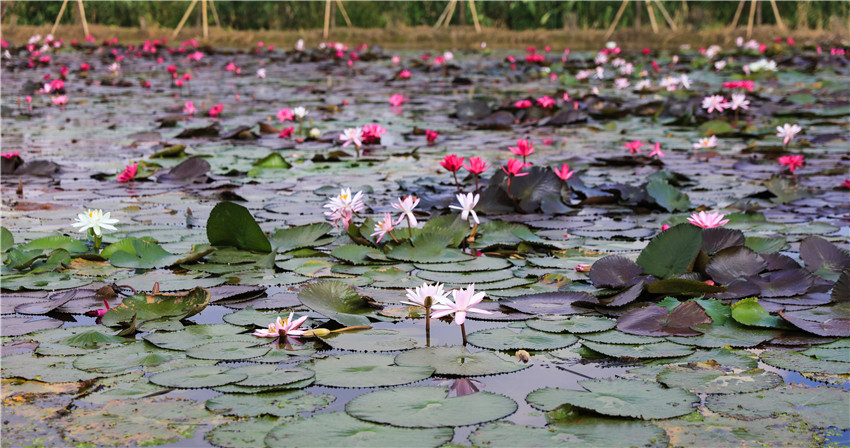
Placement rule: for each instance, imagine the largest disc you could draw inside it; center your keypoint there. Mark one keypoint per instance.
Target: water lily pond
(212, 247)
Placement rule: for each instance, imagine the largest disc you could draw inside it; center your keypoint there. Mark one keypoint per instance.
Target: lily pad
(337, 301)
(585, 432)
(310, 235)
(672, 252)
(48, 369)
(655, 321)
(375, 339)
(574, 324)
(19, 326)
(528, 339)
(340, 429)
(238, 434)
(799, 362)
(614, 271)
(429, 407)
(126, 357)
(231, 224)
(366, 370)
(141, 308)
(279, 404)
(560, 303)
(195, 335)
(656, 350)
(820, 407)
(228, 351)
(731, 334)
(475, 265)
(619, 398)
(458, 361)
(197, 377)
(710, 379)
(717, 431)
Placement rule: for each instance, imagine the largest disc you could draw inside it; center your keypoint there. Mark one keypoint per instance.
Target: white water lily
(95, 220)
(467, 203)
(406, 206)
(418, 296)
(300, 112)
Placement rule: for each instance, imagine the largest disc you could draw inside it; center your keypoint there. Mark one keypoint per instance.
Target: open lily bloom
(406, 206)
(282, 327)
(707, 220)
(467, 203)
(95, 220)
(464, 301)
(418, 296)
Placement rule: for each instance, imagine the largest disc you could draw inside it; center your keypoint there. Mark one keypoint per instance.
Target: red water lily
(793, 162)
(129, 173)
(430, 135)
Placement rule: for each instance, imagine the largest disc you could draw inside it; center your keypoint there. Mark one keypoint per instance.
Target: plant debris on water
(531, 247)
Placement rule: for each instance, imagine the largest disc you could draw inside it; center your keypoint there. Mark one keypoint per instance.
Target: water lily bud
(428, 302)
(522, 355)
(314, 133)
(318, 333)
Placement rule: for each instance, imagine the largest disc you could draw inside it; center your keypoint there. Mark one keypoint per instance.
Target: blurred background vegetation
(514, 15)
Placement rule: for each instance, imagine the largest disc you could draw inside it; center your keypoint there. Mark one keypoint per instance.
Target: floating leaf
(731, 334)
(820, 254)
(799, 362)
(238, 434)
(820, 407)
(337, 301)
(19, 326)
(48, 369)
(365, 370)
(310, 235)
(279, 404)
(657, 350)
(668, 196)
(228, 351)
(750, 312)
(614, 271)
(573, 324)
(733, 263)
(197, 377)
(429, 407)
(231, 224)
(708, 379)
(140, 254)
(477, 264)
(375, 339)
(130, 356)
(338, 429)
(551, 303)
(196, 335)
(716, 431)
(584, 432)
(458, 361)
(717, 239)
(618, 398)
(672, 252)
(528, 339)
(655, 321)
(150, 307)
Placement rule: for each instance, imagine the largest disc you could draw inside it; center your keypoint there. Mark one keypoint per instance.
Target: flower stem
(472, 233)
(97, 243)
(509, 186)
(463, 332)
(457, 184)
(357, 148)
(392, 236)
(409, 226)
(427, 326)
(476, 181)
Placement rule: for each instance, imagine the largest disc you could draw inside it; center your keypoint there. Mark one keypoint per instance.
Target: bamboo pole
(616, 19)
(776, 14)
(474, 16)
(215, 13)
(738, 13)
(651, 16)
(443, 15)
(327, 28)
(204, 19)
(452, 7)
(752, 18)
(83, 17)
(184, 19)
(666, 15)
(59, 16)
(344, 13)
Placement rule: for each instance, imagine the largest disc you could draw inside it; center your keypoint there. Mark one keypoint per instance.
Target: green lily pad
(799, 362)
(820, 407)
(656, 350)
(279, 404)
(73, 341)
(18, 326)
(197, 377)
(477, 264)
(228, 350)
(429, 248)
(715, 380)
(123, 391)
(139, 254)
(672, 251)
(668, 196)
(249, 317)
(264, 375)
(749, 312)
(365, 370)
(47, 369)
(583, 433)
(465, 278)
(733, 335)
(618, 337)
(458, 361)
(130, 356)
(338, 429)
(337, 301)
(429, 407)
(573, 324)
(238, 434)
(506, 339)
(195, 335)
(717, 431)
(7, 240)
(136, 422)
(310, 235)
(618, 398)
(231, 224)
(143, 308)
(357, 254)
(375, 339)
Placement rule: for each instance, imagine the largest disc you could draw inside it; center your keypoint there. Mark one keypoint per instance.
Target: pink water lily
(282, 327)
(129, 173)
(514, 168)
(463, 301)
(10, 155)
(792, 162)
(405, 206)
(476, 165)
(404, 74)
(707, 220)
(352, 136)
(523, 104)
(705, 143)
(739, 101)
(714, 102)
(633, 146)
(397, 100)
(430, 135)
(384, 227)
(285, 114)
(656, 151)
(216, 110)
(787, 132)
(564, 172)
(372, 133)
(545, 102)
(189, 108)
(523, 148)
(452, 162)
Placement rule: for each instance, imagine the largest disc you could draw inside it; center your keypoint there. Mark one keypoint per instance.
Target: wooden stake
(184, 19)
(215, 13)
(776, 14)
(204, 19)
(474, 16)
(59, 17)
(651, 16)
(327, 28)
(443, 15)
(344, 13)
(83, 17)
(738, 13)
(452, 6)
(666, 15)
(752, 18)
(616, 19)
